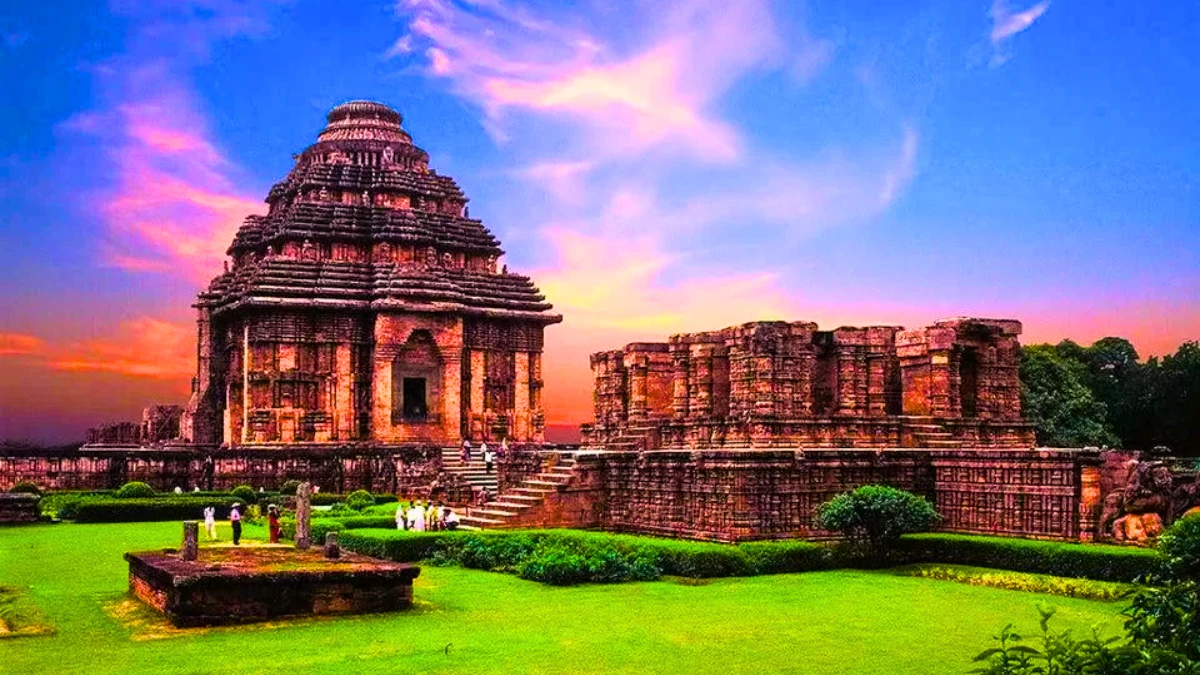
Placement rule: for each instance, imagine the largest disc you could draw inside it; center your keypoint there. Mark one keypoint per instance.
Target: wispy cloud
(142, 347)
(1006, 23)
(660, 93)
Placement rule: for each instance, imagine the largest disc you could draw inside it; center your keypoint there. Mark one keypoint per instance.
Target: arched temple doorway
(417, 381)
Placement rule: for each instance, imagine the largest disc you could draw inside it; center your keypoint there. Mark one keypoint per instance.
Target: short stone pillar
(191, 534)
(332, 549)
(303, 513)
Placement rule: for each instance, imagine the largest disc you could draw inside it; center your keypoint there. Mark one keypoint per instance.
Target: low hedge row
(1063, 559)
(567, 557)
(112, 510)
(319, 526)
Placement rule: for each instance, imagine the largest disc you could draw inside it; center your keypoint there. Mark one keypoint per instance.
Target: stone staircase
(475, 473)
(929, 434)
(506, 510)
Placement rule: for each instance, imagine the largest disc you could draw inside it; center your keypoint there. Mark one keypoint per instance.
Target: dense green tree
(1177, 401)
(1055, 396)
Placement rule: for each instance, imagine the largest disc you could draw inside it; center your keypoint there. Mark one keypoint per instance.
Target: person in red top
(273, 523)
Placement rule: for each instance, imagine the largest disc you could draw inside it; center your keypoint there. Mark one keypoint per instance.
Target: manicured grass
(819, 622)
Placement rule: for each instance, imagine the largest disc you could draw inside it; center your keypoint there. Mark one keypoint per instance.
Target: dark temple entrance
(968, 371)
(414, 398)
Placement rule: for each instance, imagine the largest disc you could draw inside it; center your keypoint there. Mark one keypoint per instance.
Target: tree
(874, 516)
(1177, 403)
(1055, 397)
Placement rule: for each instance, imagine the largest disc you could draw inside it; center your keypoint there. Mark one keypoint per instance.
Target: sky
(656, 166)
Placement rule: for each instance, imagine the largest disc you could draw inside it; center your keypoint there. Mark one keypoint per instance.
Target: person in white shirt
(235, 520)
(488, 458)
(450, 518)
(210, 522)
(416, 517)
(401, 517)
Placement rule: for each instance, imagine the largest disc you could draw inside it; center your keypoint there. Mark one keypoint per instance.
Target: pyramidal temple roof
(362, 222)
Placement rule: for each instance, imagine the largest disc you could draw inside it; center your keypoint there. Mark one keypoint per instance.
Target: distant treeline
(1103, 395)
(16, 446)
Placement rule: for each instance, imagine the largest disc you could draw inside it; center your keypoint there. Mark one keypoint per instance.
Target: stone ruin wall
(387, 470)
(777, 384)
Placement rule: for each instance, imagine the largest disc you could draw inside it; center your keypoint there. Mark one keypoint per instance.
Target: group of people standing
(426, 518)
(235, 523)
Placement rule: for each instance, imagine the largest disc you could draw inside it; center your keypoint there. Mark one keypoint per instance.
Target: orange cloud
(19, 344)
(144, 347)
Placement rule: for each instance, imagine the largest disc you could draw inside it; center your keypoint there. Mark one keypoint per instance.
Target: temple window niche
(417, 380)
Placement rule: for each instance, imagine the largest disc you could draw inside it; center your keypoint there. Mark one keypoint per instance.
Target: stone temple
(366, 307)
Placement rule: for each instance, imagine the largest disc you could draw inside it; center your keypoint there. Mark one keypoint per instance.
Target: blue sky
(656, 166)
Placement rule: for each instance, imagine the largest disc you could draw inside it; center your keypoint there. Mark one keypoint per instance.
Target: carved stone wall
(764, 494)
(333, 468)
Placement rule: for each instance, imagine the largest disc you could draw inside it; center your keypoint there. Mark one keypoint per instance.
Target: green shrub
(289, 487)
(25, 487)
(1180, 546)
(1062, 559)
(400, 546)
(245, 494)
(783, 557)
(135, 490)
(1019, 581)
(359, 500)
(108, 510)
(873, 517)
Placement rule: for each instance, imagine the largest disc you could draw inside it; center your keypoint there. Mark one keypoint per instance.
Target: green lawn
(820, 622)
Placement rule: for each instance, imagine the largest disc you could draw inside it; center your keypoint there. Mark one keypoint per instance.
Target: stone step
(489, 512)
(540, 493)
(480, 522)
(541, 483)
(506, 505)
(527, 500)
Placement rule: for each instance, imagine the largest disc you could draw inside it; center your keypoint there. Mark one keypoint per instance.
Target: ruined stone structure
(366, 307)
(778, 384)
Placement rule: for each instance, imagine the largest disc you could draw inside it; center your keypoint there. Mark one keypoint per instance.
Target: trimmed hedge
(110, 510)
(1062, 559)
(135, 489)
(570, 556)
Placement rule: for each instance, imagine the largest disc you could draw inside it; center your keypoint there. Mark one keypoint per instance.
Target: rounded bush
(135, 490)
(26, 487)
(874, 516)
(289, 487)
(245, 493)
(359, 500)
(1180, 545)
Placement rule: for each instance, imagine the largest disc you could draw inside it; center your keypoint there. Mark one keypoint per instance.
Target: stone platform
(238, 585)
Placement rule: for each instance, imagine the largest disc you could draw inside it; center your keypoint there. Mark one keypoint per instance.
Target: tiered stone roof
(401, 233)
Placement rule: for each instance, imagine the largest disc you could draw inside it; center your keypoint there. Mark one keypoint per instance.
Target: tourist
(485, 496)
(503, 448)
(235, 521)
(431, 517)
(401, 520)
(466, 451)
(178, 490)
(273, 523)
(488, 458)
(210, 522)
(449, 519)
(416, 517)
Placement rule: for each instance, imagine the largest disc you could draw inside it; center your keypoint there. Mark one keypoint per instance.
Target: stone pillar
(191, 534)
(343, 393)
(679, 393)
(876, 385)
(700, 382)
(332, 549)
(635, 366)
(940, 379)
(245, 385)
(303, 513)
(452, 357)
(846, 386)
(521, 410)
(478, 380)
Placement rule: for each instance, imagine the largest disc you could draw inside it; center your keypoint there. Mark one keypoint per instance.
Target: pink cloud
(175, 204)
